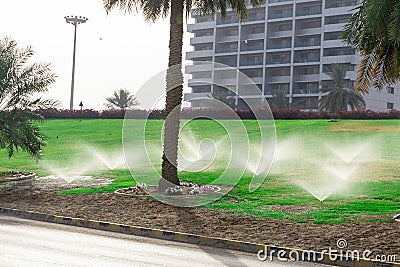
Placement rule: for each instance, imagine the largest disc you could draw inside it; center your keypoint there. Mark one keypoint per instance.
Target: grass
(374, 189)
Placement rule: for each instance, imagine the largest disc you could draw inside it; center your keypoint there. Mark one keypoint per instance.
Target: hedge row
(286, 114)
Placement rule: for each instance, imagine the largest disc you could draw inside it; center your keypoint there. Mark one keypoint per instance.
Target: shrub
(205, 113)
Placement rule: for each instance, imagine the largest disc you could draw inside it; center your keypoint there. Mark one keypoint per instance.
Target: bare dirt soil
(382, 238)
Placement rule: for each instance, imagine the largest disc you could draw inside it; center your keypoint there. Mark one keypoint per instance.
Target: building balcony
(278, 61)
(227, 39)
(280, 34)
(279, 45)
(201, 25)
(201, 40)
(198, 81)
(226, 50)
(254, 36)
(306, 59)
(225, 81)
(275, 50)
(308, 31)
(354, 59)
(246, 48)
(339, 10)
(255, 17)
(196, 96)
(197, 54)
(334, 27)
(277, 2)
(249, 92)
(251, 80)
(306, 43)
(227, 20)
(333, 43)
(302, 1)
(251, 63)
(301, 48)
(278, 79)
(225, 64)
(350, 75)
(306, 78)
(309, 12)
(272, 92)
(198, 67)
(280, 16)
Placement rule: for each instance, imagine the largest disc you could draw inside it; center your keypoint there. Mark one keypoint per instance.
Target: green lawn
(304, 153)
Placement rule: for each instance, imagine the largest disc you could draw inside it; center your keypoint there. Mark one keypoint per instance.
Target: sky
(113, 51)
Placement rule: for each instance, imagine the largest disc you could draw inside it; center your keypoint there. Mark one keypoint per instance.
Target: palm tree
(177, 9)
(279, 100)
(336, 96)
(374, 31)
(122, 99)
(18, 82)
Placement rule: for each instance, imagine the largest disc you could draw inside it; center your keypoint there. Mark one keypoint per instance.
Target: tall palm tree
(18, 82)
(177, 10)
(336, 96)
(122, 99)
(374, 31)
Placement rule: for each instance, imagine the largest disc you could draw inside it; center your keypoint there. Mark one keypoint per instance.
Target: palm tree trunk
(173, 98)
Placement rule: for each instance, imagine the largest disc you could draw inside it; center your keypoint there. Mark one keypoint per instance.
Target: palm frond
(335, 95)
(127, 6)
(18, 82)
(373, 30)
(122, 99)
(365, 72)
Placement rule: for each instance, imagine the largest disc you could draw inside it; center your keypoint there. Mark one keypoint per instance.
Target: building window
(390, 90)
(390, 105)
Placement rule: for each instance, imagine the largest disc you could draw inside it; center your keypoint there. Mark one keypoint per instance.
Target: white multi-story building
(286, 45)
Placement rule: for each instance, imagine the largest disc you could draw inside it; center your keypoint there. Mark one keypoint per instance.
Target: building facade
(285, 45)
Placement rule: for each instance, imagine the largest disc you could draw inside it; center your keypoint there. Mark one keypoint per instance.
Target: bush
(205, 113)
(68, 114)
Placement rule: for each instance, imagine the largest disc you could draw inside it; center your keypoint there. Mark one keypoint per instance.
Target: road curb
(264, 251)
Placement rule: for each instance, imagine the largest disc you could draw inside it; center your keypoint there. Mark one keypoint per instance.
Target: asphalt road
(32, 243)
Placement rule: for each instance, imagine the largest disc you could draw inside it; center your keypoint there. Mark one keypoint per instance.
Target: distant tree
(19, 81)
(336, 96)
(122, 99)
(279, 100)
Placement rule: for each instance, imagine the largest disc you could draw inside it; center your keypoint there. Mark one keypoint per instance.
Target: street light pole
(74, 20)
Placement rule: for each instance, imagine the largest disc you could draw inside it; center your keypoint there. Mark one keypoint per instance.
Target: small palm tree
(18, 82)
(336, 96)
(279, 100)
(122, 99)
(374, 31)
(177, 10)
